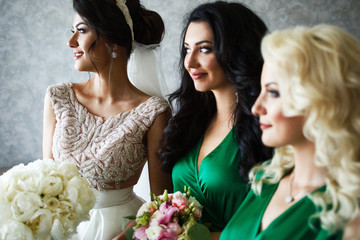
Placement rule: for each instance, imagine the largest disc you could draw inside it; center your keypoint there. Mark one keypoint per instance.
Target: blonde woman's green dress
(293, 224)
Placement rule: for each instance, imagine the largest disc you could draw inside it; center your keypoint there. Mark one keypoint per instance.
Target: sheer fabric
(145, 70)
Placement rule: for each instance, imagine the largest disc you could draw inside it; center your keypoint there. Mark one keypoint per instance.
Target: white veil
(145, 70)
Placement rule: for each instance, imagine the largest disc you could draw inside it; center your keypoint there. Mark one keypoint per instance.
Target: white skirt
(106, 218)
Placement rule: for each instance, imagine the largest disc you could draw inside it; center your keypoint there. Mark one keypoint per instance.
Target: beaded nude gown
(106, 152)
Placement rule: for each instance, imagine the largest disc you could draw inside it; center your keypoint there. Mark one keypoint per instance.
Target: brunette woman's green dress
(293, 224)
(217, 185)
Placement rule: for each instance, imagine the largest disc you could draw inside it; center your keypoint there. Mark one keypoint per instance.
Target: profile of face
(200, 60)
(277, 130)
(81, 42)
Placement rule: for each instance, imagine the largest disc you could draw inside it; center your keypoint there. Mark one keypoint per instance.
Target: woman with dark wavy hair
(105, 125)
(213, 140)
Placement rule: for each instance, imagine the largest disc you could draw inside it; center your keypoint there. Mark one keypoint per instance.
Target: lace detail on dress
(107, 152)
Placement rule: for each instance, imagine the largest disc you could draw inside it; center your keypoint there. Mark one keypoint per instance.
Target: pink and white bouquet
(170, 216)
(42, 200)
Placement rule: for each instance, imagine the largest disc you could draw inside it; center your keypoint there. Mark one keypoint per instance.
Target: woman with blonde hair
(308, 109)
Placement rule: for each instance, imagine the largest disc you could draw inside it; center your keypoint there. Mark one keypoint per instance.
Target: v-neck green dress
(292, 224)
(217, 185)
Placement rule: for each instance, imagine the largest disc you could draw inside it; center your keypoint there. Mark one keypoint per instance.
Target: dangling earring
(236, 97)
(113, 53)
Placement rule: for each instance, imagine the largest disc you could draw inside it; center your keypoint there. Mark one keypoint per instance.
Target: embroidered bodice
(106, 152)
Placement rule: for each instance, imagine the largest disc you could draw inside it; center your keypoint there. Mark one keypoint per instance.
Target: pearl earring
(113, 54)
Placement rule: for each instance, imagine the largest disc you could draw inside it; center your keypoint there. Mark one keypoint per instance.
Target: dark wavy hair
(106, 19)
(237, 33)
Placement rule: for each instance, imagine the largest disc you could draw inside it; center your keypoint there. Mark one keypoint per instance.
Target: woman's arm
(159, 180)
(49, 122)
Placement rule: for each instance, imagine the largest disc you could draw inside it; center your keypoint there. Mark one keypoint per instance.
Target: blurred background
(34, 54)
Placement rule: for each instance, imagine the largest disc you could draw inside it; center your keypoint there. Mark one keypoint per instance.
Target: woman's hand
(215, 235)
(122, 236)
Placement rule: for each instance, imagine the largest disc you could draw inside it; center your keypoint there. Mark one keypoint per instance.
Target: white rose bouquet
(42, 200)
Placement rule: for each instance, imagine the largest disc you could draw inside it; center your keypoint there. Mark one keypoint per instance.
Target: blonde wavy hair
(319, 74)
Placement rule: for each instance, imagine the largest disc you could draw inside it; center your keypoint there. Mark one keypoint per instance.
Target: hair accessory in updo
(125, 10)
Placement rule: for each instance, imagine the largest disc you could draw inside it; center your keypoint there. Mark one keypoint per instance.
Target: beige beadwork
(107, 152)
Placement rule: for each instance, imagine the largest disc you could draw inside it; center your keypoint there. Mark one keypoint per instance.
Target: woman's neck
(112, 83)
(306, 172)
(225, 105)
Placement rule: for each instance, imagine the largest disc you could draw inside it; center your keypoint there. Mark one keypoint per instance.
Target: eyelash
(202, 49)
(274, 93)
(205, 49)
(80, 30)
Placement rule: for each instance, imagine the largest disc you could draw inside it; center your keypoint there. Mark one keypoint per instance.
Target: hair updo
(106, 19)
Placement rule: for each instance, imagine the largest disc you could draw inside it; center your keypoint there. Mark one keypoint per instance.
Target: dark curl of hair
(237, 33)
(106, 19)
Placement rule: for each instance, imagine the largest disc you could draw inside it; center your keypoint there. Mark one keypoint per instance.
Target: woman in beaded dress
(213, 139)
(309, 111)
(106, 126)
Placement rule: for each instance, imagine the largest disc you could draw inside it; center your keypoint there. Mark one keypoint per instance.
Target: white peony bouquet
(42, 200)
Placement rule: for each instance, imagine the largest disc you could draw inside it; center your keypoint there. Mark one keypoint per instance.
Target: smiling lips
(197, 76)
(77, 55)
(264, 126)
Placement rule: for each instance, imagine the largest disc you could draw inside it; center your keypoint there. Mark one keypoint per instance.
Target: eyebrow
(80, 23)
(270, 83)
(200, 42)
